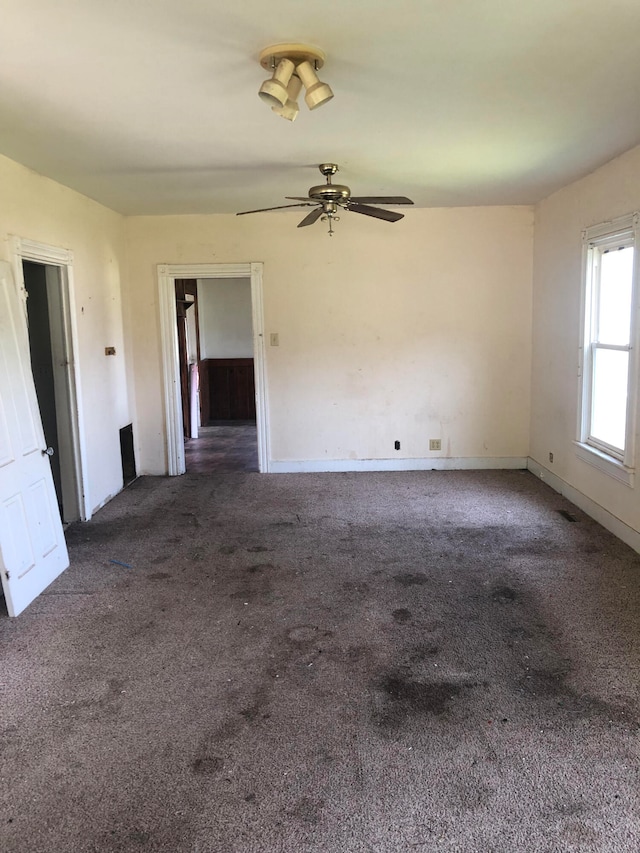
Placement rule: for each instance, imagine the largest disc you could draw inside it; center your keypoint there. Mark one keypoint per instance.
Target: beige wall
(611, 191)
(407, 331)
(39, 209)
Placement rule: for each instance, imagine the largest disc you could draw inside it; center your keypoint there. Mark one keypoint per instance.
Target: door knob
(48, 452)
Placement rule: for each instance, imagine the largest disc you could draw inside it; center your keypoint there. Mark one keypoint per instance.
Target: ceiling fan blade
(280, 207)
(377, 212)
(312, 217)
(298, 198)
(382, 199)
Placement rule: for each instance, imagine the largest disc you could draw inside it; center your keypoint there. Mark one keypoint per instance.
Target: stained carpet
(328, 663)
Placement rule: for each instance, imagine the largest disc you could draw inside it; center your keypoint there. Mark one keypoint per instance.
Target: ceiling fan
(328, 198)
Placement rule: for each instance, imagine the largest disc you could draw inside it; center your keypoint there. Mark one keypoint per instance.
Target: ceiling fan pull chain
(331, 221)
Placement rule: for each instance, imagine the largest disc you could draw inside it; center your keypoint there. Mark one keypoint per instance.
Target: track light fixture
(317, 93)
(290, 109)
(293, 66)
(274, 90)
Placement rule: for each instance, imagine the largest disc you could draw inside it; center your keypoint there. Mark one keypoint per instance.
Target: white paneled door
(32, 548)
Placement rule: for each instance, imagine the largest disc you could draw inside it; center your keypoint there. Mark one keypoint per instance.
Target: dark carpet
(340, 662)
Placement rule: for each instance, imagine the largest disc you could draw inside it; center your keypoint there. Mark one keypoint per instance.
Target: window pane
(609, 402)
(616, 271)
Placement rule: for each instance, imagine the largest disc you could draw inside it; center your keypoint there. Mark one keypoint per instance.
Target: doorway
(177, 452)
(42, 362)
(219, 351)
(44, 275)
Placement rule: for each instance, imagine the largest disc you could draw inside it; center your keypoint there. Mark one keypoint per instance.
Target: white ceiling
(150, 106)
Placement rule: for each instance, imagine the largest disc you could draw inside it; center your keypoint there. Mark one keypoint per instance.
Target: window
(609, 365)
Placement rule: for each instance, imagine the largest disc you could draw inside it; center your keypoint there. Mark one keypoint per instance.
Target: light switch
(274, 339)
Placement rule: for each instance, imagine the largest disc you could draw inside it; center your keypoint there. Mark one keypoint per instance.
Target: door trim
(23, 249)
(167, 274)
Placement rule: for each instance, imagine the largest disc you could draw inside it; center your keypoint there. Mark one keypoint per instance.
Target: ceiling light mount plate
(297, 53)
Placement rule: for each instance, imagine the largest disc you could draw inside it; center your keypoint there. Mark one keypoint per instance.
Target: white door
(32, 548)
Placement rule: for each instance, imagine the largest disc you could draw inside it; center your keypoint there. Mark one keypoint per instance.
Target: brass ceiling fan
(327, 200)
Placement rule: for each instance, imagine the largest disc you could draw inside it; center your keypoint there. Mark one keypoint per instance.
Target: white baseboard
(614, 525)
(461, 463)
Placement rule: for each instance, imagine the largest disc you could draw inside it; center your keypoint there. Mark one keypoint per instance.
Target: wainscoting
(227, 390)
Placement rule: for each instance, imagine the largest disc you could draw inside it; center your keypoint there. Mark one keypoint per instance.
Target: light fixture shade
(290, 110)
(317, 93)
(274, 90)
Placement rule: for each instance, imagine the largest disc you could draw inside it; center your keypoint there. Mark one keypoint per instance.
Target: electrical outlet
(396, 445)
(551, 457)
(435, 444)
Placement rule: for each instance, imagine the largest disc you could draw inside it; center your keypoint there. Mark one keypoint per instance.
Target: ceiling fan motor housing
(326, 193)
(330, 192)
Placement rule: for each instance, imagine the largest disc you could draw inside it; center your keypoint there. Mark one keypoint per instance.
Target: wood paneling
(231, 389)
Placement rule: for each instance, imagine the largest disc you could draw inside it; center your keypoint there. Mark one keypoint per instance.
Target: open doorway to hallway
(44, 277)
(168, 274)
(217, 374)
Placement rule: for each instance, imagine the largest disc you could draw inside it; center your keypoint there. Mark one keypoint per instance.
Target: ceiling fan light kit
(328, 199)
(293, 66)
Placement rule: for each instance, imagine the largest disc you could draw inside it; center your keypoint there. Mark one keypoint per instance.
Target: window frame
(616, 233)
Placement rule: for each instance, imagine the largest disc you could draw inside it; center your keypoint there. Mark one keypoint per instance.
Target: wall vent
(127, 454)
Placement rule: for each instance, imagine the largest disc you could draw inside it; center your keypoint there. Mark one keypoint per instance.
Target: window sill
(605, 463)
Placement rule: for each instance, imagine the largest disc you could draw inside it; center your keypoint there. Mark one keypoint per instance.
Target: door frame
(23, 249)
(167, 274)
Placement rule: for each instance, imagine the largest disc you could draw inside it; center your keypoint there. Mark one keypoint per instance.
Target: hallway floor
(223, 447)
